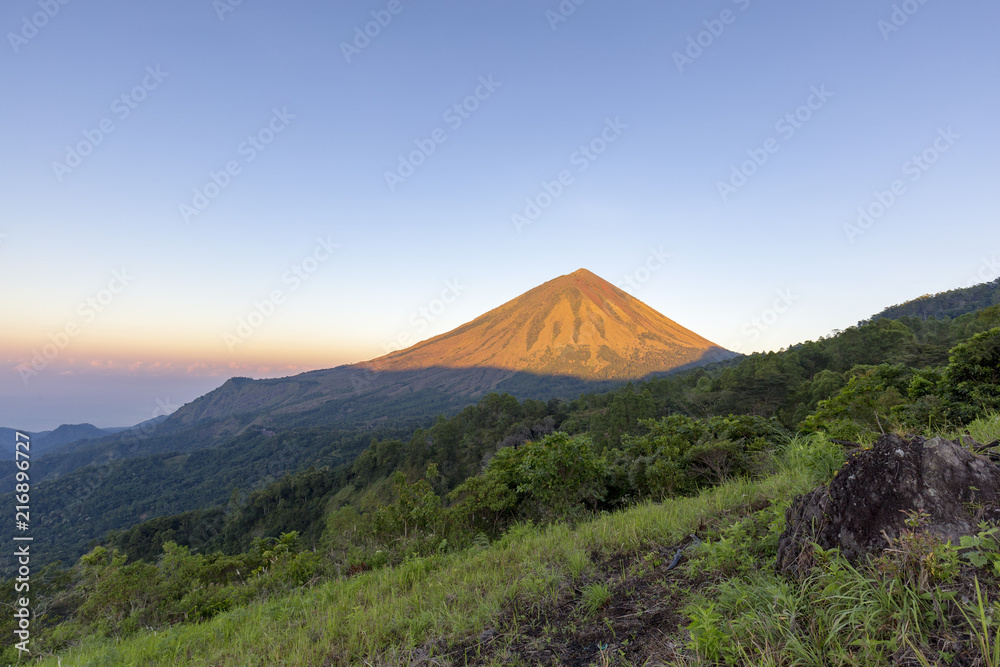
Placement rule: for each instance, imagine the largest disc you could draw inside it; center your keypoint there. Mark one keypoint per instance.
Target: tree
(972, 379)
(865, 405)
(417, 507)
(561, 475)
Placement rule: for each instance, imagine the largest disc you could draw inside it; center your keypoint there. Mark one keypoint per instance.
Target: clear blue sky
(188, 89)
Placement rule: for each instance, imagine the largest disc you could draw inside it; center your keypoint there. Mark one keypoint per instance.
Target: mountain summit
(578, 325)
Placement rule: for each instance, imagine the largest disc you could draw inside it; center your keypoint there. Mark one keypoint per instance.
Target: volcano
(578, 325)
(574, 334)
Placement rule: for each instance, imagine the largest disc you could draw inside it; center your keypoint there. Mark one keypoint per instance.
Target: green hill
(950, 304)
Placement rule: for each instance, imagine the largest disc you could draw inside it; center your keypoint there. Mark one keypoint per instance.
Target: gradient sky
(201, 78)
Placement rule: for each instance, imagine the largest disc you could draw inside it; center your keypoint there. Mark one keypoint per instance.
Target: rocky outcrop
(866, 504)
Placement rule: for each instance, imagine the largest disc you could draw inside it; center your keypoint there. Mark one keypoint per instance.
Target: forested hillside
(885, 371)
(788, 386)
(947, 304)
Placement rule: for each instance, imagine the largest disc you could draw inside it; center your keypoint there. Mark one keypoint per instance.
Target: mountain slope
(572, 335)
(66, 434)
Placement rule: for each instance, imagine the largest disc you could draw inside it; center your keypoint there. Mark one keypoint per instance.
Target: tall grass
(814, 456)
(902, 606)
(839, 616)
(986, 429)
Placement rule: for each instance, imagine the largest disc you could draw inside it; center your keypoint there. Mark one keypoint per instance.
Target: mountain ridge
(950, 303)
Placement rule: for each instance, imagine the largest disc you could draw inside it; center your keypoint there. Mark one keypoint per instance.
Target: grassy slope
(485, 602)
(601, 594)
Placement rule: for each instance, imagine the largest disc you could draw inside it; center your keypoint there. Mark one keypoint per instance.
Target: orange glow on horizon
(148, 357)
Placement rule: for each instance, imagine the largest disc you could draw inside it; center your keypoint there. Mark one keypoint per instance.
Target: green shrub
(972, 380)
(708, 639)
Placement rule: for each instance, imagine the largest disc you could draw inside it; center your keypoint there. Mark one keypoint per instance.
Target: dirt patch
(639, 623)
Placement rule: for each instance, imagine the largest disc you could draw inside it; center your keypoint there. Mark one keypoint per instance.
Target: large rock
(868, 499)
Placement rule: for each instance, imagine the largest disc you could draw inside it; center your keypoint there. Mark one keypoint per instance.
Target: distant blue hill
(7, 439)
(47, 442)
